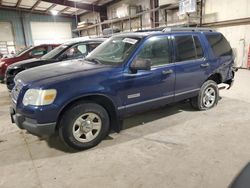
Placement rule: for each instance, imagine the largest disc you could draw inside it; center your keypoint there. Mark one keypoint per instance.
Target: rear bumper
(31, 125)
(230, 83)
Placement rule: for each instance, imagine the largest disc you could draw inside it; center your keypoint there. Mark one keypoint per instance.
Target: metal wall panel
(22, 34)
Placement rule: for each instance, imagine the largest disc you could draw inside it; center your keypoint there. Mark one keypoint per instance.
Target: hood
(10, 60)
(27, 63)
(57, 71)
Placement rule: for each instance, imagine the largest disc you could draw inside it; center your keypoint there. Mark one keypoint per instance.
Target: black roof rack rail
(151, 29)
(172, 29)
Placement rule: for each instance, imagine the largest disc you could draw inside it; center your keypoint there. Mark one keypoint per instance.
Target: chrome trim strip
(156, 99)
(143, 102)
(185, 92)
(134, 95)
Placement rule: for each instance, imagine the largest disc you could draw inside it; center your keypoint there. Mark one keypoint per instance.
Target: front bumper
(31, 125)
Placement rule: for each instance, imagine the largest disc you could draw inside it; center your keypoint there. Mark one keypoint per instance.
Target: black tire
(75, 112)
(198, 103)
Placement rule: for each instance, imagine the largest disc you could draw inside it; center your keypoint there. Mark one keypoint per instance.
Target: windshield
(53, 53)
(113, 51)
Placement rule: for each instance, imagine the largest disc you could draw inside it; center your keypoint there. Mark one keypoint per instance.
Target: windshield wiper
(95, 60)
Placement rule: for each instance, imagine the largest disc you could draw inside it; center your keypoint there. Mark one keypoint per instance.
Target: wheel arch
(215, 77)
(102, 100)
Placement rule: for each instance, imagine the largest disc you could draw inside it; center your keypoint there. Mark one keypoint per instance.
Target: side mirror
(140, 64)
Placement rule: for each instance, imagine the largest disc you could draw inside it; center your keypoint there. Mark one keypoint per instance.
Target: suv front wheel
(84, 125)
(208, 96)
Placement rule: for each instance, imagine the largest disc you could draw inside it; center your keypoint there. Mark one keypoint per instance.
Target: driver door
(147, 89)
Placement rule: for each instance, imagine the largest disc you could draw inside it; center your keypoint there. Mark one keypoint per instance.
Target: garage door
(6, 38)
(50, 32)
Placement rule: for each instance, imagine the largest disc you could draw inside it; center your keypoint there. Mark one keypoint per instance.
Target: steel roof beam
(83, 6)
(35, 5)
(18, 3)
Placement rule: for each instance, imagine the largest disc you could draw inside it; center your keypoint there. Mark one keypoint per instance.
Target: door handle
(166, 72)
(204, 65)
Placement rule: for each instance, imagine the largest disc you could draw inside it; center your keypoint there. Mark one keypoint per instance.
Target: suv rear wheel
(208, 96)
(84, 125)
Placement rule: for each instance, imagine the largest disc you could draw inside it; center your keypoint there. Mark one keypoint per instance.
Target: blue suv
(127, 74)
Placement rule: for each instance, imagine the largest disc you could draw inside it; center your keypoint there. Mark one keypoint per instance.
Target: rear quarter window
(219, 45)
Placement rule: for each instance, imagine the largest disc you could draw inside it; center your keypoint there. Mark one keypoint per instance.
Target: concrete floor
(171, 147)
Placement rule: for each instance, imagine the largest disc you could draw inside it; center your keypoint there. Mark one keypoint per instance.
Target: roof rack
(172, 29)
(150, 30)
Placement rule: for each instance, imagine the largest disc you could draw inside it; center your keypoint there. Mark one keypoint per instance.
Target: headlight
(38, 97)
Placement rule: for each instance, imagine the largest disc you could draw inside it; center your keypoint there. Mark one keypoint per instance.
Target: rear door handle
(204, 65)
(166, 72)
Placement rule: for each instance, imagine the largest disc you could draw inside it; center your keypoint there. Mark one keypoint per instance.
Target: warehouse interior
(173, 146)
(22, 22)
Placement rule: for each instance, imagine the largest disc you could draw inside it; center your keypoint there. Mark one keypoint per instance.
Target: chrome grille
(16, 90)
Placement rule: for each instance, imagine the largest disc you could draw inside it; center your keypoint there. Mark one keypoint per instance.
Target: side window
(188, 47)
(198, 48)
(49, 48)
(82, 49)
(53, 47)
(38, 51)
(157, 50)
(219, 45)
(76, 51)
(93, 46)
(185, 49)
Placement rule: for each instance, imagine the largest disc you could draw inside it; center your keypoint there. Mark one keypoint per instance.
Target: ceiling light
(54, 12)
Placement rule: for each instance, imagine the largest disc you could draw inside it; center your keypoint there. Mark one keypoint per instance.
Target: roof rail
(172, 29)
(149, 30)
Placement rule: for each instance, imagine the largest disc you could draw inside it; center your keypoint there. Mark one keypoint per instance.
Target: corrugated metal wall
(16, 18)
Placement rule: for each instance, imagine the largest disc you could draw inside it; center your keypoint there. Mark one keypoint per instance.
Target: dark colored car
(77, 48)
(127, 74)
(27, 53)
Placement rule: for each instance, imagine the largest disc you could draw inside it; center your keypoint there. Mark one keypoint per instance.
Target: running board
(222, 87)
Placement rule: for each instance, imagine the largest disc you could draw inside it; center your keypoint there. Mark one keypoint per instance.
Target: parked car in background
(127, 74)
(73, 49)
(27, 53)
(4, 56)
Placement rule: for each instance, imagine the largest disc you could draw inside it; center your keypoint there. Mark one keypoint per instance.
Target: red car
(28, 53)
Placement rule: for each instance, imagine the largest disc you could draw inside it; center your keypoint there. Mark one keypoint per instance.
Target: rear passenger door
(191, 65)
